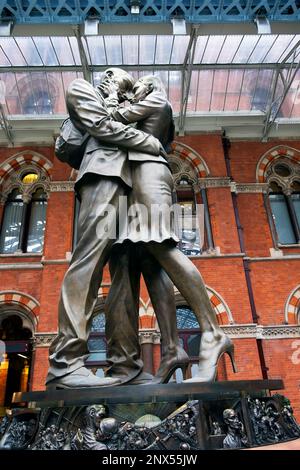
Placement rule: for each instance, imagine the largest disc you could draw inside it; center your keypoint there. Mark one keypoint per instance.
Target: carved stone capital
(149, 336)
(62, 186)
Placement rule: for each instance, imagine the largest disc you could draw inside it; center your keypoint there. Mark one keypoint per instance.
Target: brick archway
(186, 153)
(26, 156)
(147, 318)
(24, 302)
(273, 154)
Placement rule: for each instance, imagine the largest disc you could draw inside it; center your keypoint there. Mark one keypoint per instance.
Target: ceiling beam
(186, 75)
(171, 67)
(87, 74)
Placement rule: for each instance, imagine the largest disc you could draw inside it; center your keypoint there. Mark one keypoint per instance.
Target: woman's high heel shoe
(209, 359)
(169, 364)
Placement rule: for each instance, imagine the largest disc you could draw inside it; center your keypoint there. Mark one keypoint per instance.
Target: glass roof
(144, 50)
(229, 73)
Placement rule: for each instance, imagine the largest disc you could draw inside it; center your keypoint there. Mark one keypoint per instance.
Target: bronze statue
(107, 173)
(104, 175)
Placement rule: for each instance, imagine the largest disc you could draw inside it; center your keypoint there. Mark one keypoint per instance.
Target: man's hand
(109, 88)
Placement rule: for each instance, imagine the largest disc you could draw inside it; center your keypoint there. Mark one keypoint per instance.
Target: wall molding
(214, 182)
(234, 331)
(5, 266)
(249, 187)
(61, 186)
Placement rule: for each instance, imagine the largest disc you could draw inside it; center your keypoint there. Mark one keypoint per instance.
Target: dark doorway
(18, 345)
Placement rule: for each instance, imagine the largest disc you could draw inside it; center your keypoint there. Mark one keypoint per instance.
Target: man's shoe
(143, 378)
(81, 378)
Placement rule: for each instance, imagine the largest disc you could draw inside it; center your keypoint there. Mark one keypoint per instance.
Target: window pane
(194, 345)
(296, 202)
(37, 224)
(282, 219)
(188, 227)
(186, 318)
(11, 227)
(98, 323)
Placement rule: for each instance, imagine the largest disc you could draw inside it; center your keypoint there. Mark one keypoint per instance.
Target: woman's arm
(137, 111)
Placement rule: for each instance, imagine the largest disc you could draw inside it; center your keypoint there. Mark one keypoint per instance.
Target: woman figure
(152, 184)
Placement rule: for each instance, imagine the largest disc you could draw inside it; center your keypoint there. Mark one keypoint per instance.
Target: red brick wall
(40, 368)
(222, 220)
(256, 229)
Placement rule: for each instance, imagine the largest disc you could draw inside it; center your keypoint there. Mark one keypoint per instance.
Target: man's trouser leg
(96, 234)
(122, 314)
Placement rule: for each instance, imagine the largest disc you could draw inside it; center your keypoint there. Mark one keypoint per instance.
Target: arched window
(39, 102)
(190, 219)
(24, 218)
(36, 222)
(193, 215)
(284, 201)
(12, 222)
(23, 223)
(188, 329)
(189, 337)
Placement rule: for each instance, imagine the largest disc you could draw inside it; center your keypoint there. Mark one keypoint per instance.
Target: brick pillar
(40, 368)
(149, 340)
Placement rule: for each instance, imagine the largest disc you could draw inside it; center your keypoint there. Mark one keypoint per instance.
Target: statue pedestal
(192, 416)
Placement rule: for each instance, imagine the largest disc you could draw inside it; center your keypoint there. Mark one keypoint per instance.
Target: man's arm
(90, 115)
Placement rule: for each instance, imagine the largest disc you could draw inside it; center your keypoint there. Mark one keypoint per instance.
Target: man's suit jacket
(106, 150)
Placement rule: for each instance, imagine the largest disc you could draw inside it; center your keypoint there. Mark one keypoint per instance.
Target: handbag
(70, 144)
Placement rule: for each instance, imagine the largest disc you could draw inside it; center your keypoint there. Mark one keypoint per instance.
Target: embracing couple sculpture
(119, 160)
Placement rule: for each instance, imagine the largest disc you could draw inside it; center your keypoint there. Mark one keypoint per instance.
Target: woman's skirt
(150, 214)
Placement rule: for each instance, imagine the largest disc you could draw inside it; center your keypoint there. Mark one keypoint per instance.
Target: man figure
(103, 177)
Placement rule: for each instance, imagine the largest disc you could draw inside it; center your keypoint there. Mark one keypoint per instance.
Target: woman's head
(145, 85)
(122, 80)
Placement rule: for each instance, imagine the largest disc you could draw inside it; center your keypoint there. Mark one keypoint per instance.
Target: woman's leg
(161, 292)
(189, 282)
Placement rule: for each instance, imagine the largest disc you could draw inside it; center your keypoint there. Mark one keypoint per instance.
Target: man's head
(122, 81)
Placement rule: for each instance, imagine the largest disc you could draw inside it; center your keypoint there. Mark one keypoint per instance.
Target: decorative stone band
(249, 187)
(43, 340)
(262, 332)
(218, 182)
(62, 186)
